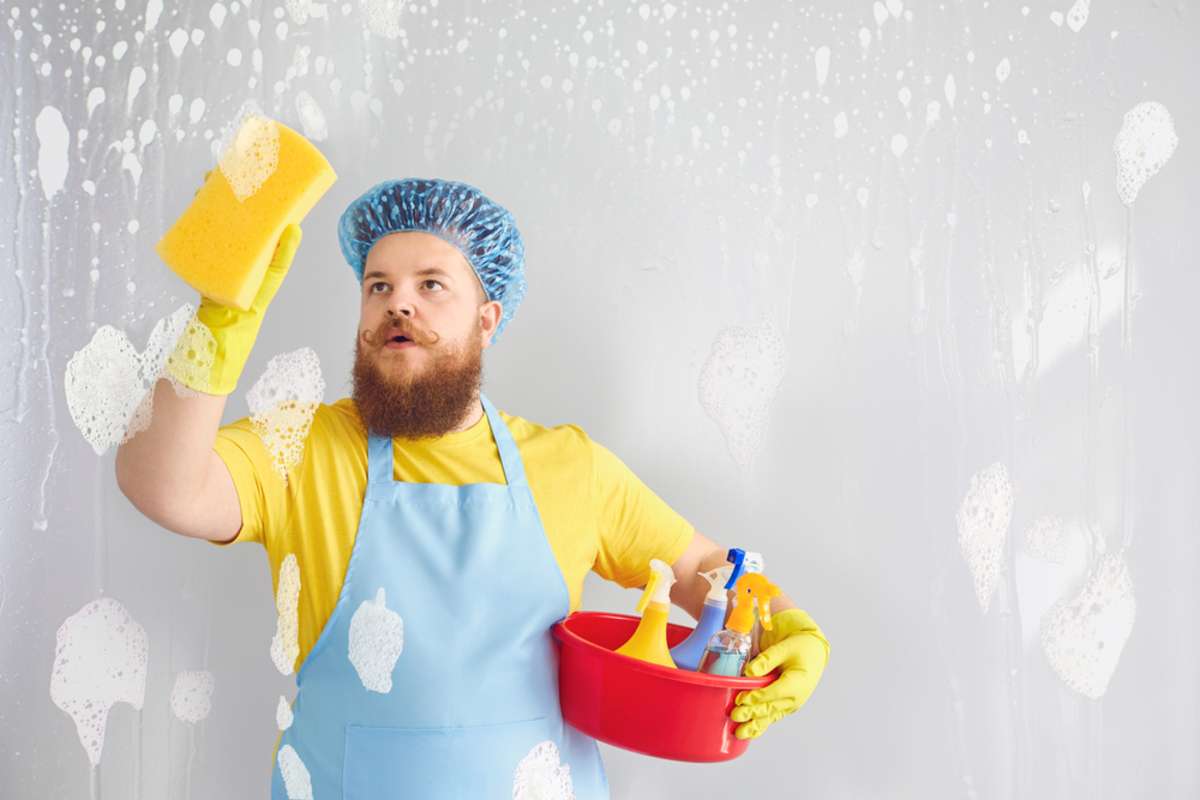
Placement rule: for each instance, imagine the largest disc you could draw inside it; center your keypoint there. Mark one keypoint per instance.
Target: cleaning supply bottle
(649, 641)
(687, 654)
(729, 649)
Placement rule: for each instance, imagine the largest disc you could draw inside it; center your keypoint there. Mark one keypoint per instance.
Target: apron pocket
(478, 761)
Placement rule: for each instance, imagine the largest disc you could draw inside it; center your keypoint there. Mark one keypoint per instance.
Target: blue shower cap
(458, 213)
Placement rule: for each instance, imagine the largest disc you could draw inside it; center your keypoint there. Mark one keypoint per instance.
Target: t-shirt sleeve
(635, 524)
(261, 490)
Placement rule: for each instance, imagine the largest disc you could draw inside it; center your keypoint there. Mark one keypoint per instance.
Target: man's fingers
(745, 713)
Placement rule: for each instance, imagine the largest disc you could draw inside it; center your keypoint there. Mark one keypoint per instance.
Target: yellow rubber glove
(795, 644)
(209, 356)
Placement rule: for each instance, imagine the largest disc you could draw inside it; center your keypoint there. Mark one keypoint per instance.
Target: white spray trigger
(658, 588)
(717, 578)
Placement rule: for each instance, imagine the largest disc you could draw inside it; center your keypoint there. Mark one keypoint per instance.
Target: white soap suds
(285, 644)
(821, 61)
(95, 97)
(983, 520)
(53, 141)
(376, 642)
(249, 152)
(1077, 17)
(154, 10)
(383, 16)
(108, 383)
(840, 125)
(191, 696)
(738, 383)
(541, 775)
(283, 714)
(191, 361)
(1003, 70)
(312, 118)
(1145, 143)
(296, 780)
(282, 404)
(1046, 539)
(1083, 636)
(100, 659)
(178, 41)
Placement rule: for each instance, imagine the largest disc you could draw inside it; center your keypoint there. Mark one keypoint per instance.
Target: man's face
(419, 288)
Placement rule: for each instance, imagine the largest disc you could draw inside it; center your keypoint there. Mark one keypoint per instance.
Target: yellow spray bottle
(649, 641)
(729, 649)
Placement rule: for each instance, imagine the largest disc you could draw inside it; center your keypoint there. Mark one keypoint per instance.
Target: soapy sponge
(269, 177)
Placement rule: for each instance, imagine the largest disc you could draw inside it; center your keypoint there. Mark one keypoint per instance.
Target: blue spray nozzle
(737, 557)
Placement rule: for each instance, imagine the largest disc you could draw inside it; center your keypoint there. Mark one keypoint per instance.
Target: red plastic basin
(629, 703)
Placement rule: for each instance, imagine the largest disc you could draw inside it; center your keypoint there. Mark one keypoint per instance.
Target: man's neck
(473, 416)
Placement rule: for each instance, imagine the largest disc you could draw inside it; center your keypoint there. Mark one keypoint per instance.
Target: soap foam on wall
(983, 520)
(100, 660)
(191, 696)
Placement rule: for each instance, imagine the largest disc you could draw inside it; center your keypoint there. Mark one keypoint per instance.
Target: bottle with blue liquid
(729, 649)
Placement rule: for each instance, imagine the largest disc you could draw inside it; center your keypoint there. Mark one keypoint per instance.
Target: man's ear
(490, 314)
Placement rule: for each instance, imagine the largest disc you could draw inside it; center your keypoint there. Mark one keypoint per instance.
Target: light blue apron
(474, 691)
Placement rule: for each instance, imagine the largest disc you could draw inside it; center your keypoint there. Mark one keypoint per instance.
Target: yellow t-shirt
(598, 515)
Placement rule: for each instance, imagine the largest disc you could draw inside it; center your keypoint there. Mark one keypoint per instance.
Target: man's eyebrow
(425, 271)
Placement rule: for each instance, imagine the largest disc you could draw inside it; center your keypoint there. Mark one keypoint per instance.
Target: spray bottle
(649, 641)
(729, 649)
(687, 654)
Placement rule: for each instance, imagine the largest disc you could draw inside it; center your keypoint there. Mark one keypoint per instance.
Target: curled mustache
(398, 327)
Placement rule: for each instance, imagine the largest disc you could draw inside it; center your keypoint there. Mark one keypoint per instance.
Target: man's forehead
(424, 254)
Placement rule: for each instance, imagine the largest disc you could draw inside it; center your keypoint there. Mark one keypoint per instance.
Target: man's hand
(209, 357)
(796, 645)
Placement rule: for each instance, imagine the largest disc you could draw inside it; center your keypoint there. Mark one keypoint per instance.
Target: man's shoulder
(338, 421)
(526, 432)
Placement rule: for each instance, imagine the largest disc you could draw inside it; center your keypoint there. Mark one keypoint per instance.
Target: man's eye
(376, 285)
(431, 280)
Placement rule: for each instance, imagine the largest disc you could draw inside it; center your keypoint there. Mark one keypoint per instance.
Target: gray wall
(677, 171)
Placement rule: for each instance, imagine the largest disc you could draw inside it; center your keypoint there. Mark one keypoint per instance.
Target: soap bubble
(1077, 17)
(983, 520)
(1046, 539)
(249, 151)
(383, 16)
(282, 404)
(1083, 636)
(1146, 141)
(285, 644)
(541, 775)
(376, 641)
(191, 362)
(99, 659)
(109, 385)
(312, 118)
(738, 383)
(296, 780)
(191, 696)
(283, 714)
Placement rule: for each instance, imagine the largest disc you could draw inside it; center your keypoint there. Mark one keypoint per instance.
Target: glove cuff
(787, 623)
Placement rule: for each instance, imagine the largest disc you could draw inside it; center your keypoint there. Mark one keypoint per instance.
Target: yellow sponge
(269, 176)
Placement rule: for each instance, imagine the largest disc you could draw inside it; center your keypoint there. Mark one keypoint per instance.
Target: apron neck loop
(380, 451)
